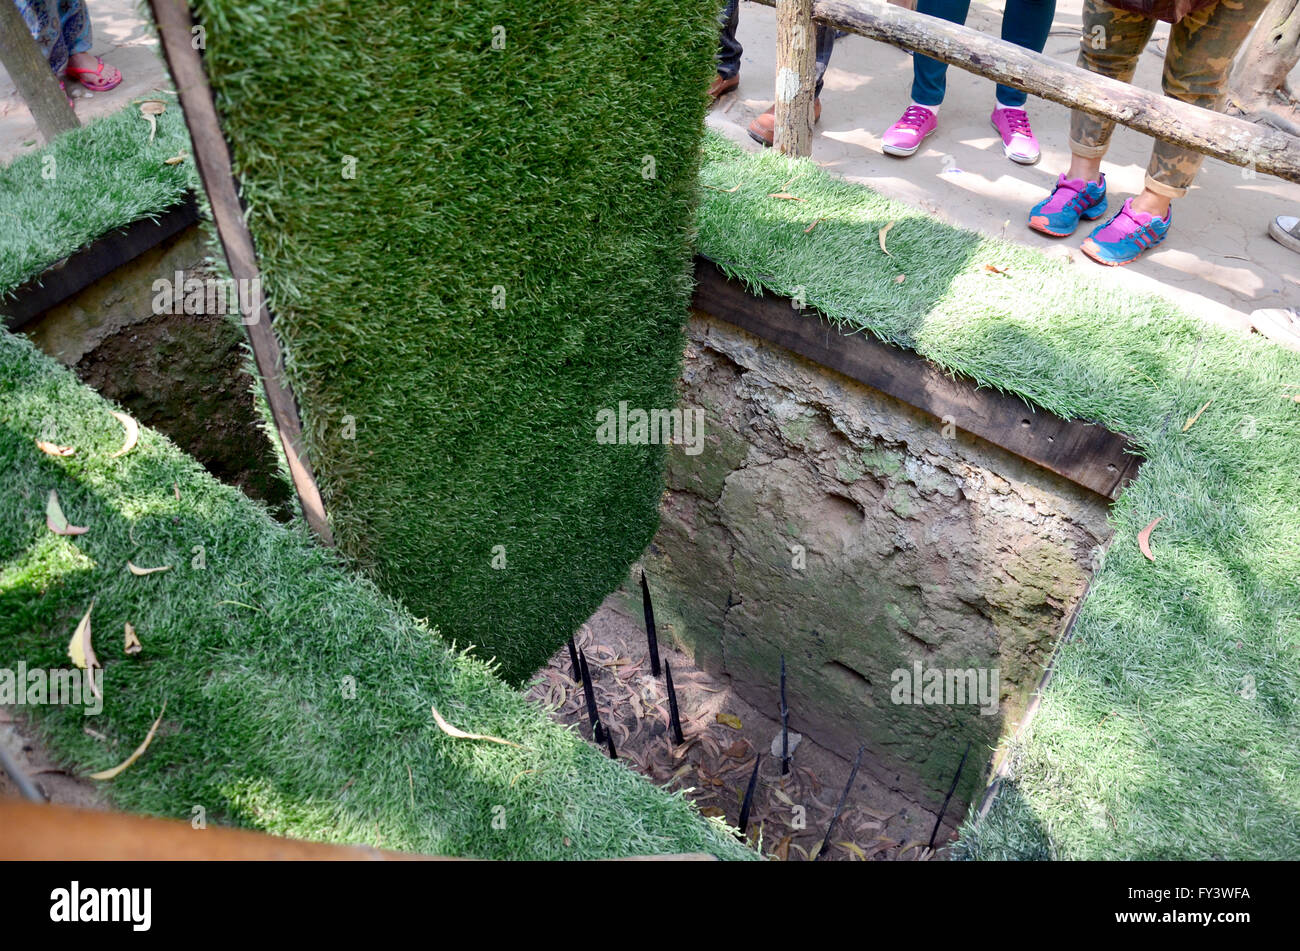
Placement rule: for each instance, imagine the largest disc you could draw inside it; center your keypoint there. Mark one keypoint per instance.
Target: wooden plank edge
(1085, 453)
(212, 157)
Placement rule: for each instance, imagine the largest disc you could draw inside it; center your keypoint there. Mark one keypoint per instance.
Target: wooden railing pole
(1202, 130)
(795, 77)
(32, 75)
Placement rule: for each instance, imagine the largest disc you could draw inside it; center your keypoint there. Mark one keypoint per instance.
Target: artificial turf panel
(1171, 729)
(297, 695)
(86, 184)
(473, 222)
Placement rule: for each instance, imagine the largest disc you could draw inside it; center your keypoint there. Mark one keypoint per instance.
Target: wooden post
(795, 77)
(31, 73)
(1259, 83)
(212, 156)
(1221, 136)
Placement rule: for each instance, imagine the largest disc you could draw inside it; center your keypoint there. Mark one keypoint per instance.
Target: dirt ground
(723, 735)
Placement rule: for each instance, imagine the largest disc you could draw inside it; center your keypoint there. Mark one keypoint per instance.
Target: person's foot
(1281, 325)
(1126, 236)
(722, 85)
(905, 136)
(1018, 140)
(763, 128)
(1058, 215)
(1285, 230)
(92, 72)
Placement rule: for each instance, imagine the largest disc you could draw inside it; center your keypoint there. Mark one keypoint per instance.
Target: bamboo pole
(31, 73)
(1220, 136)
(795, 78)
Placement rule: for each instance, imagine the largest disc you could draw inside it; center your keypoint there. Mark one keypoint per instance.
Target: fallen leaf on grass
(1144, 539)
(1188, 425)
(139, 750)
(132, 433)
(725, 191)
(729, 719)
(82, 652)
(176, 489)
(138, 571)
(462, 735)
(900, 279)
(133, 645)
(997, 270)
(175, 159)
(56, 521)
(53, 449)
(786, 196)
(883, 233)
(808, 230)
(151, 109)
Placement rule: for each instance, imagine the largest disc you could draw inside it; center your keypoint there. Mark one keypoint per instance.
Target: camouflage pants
(1202, 47)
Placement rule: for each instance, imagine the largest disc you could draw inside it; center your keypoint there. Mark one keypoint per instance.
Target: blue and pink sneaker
(1073, 199)
(1126, 236)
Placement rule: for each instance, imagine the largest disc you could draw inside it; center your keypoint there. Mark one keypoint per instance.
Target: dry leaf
(883, 232)
(175, 159)
(786, 196)
(729, 719)
(82, 652)
(997, 270)
(1144, 539)
(52, 449)
(725, 191)
(1193, 419)
(56, 521)
(133, 645)
(782, 851)
(177, 490)
(808, 230)
(713, 812)
(139, 751)
(138, 571)
(853, 847)
(462, 735)
(151, 109)
(132, 433)
(900, 279)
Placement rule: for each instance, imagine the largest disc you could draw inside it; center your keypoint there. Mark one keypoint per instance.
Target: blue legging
(1024, 22)
(61, 28)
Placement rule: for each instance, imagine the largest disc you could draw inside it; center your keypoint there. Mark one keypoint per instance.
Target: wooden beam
(1084, 453)
(795, 78)
(212, 156)
(1202, 130)
(101, 257)
(31, 73)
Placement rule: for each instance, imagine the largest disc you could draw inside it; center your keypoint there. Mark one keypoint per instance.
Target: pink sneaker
(905, 136)
(1018, 140)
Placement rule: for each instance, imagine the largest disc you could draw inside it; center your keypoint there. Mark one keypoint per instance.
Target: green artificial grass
(470, 252)
(85, 184)
(297, 696)
(1171, 728)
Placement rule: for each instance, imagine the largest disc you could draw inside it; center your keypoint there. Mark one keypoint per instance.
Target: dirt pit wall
(915, 578)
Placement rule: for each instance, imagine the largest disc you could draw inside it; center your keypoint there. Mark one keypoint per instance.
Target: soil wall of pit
(858, 537)
(181, 374)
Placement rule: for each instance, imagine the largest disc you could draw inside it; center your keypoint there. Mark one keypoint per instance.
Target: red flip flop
(94, 79)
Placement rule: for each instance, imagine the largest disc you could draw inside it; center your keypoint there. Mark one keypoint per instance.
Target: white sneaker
(1281, 324)
(1285, 230)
